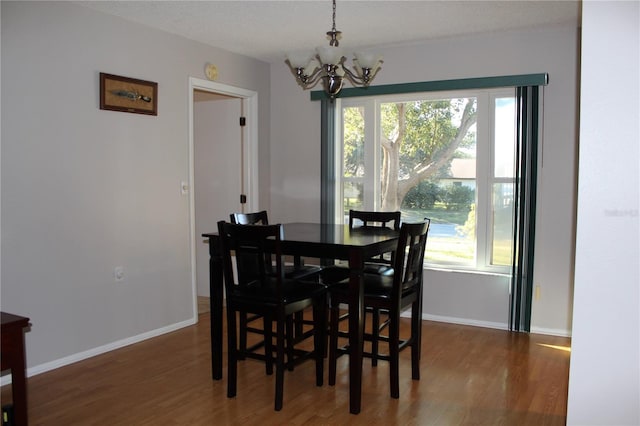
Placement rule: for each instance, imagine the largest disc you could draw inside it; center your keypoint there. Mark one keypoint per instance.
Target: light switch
(118, 274)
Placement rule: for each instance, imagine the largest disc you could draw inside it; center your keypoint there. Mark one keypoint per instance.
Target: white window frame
(484, 164)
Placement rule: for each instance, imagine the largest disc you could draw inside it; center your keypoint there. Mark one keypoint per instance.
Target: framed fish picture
(126, 94)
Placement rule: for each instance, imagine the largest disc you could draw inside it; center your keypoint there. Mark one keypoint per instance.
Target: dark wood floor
(470, 376)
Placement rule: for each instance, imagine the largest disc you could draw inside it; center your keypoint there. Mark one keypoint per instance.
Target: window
(448, 156)
(494, 192)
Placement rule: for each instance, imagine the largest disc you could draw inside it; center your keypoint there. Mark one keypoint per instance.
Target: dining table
(326, 242)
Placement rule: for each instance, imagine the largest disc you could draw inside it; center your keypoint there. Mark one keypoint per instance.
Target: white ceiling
(267, 30)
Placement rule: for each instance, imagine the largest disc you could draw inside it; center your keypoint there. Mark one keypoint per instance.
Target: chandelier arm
(355, 78)
(314, 79)
(306, 81)
(377, 70)
(372, 76)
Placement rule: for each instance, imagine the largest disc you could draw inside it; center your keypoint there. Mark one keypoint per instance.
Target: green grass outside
(452, 250)
(437, 215)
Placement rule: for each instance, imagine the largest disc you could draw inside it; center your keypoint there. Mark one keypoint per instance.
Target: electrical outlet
(118, 274)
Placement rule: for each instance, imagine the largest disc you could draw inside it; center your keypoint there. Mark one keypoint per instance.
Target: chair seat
(292, 291)
(378, 269)
(293, 272)
(334, 274)
(375, 286)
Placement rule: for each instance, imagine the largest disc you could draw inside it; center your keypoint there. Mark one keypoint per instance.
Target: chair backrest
(254, 248)
(257, 218)
(368, 219)
(409, 257)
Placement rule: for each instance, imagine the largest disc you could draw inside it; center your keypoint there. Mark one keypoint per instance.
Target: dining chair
(393, 293)
(380, 265)
(264, 290)
(298, 270)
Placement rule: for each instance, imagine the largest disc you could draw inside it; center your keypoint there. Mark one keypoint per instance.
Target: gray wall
(85, 190)
(604, 380)
(460, 297)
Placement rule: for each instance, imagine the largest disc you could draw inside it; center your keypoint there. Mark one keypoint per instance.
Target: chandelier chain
(334, 34)
(334, 16)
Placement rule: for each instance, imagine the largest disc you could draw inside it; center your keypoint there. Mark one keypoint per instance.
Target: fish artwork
(132, 95)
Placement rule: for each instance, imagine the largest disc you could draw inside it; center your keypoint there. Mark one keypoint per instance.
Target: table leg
(19, 387)
(13, 359)
(356, 330)
(216, 295)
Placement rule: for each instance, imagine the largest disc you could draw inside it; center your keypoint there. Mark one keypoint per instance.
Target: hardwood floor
(203, 305)
(469, 376)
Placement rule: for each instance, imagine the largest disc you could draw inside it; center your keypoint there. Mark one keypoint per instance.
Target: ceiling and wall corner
(267, 30)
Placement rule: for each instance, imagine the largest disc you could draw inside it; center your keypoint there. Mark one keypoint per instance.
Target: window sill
(440, 268)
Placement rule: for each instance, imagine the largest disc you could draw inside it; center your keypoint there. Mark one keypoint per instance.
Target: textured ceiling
(267, 30)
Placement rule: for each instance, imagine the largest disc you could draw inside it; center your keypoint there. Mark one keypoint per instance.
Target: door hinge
(243, 199)
(243, 121)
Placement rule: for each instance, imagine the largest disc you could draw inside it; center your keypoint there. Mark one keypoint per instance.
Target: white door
(223, 164)
(217, 169)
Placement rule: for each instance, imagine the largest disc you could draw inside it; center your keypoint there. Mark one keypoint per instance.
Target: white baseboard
(48, 366)
(551, 331)
(465, 321)
(488, 324)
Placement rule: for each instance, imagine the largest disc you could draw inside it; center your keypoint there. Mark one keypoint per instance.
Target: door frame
(250, 160)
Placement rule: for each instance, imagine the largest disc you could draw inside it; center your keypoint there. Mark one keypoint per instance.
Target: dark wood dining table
(321, 241)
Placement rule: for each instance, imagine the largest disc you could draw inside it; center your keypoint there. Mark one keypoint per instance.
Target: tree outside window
(425, 155)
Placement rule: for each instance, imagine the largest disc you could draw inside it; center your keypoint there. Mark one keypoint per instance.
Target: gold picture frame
(126, 94)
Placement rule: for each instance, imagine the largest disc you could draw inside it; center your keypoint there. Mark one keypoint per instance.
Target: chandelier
(327, 65)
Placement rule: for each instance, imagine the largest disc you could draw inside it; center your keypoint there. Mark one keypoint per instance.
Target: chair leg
(319, 331)
(325, 343)
(290, 341)
(268, 343)
(394, 353)
(375, 336)
(232, 362)
(416, 340)
(280, 343)
(242, 337)
(334, 318)
(298, 325)
(417, 313)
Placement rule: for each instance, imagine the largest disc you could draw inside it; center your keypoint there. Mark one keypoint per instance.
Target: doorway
(223, 164)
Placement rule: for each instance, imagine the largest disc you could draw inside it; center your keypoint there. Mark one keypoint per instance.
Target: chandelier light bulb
(367, 60)
(329, 55)
(299, 60)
